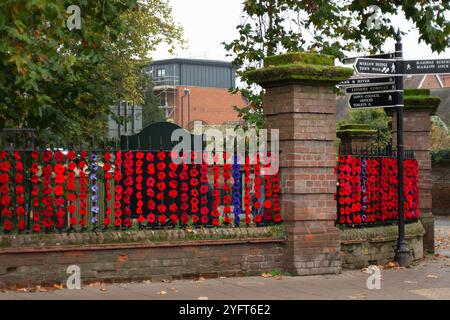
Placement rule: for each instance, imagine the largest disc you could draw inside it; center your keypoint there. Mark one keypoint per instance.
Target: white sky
(207, 23)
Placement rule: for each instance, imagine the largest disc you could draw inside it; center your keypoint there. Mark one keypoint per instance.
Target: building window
(160, 73)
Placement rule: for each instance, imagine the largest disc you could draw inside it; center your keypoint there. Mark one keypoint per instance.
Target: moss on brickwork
(382, 233)
(420, 99)
(305, 72)
(299, 57)
(299, 66)
(417, 92)
(139, 237)
(355, 126)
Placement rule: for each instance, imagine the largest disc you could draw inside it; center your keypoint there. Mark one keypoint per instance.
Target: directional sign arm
(376, 66)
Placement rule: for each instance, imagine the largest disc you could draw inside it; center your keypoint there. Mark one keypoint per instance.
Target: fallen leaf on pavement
(201, 279)
(174, 289)
(103, 289)
(162, 293)
(40, 289)
(358, 296)
(278, 277)
(22, 290)
(432, 276)
(392, 265)
(96, 284)
(202, 298)
(146, 281)
(266, 275)
(58, 286)
(411, 282)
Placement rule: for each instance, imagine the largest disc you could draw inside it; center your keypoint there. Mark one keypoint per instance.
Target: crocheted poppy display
(107, 176)
(121, 187)
(226, 198)
(94, 188)
(161, 186)
(139, 187)
(35, 191)
(216, 193)
(6, 200)
(150, 190)
(118, 190)
(83, 187)
(47, 190)
(204, 210)
(173, 193)
(70, 186)
(59, 184)
(368, 190)
(184, 191)
(129, 185)
(247, 190)
(237, 202)
(19, 190)
(411, 183)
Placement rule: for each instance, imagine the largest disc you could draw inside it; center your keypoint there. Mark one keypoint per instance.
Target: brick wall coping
(299, 67)
(420, 100)
(137, 239)
(380, 234)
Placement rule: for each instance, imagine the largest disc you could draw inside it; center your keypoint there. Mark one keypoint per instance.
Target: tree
(63, 81)
(151, 112)
(440, 134)
(270, 27)
(376, 119)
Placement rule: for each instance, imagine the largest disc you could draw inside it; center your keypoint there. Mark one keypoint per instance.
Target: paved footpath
(428, 279)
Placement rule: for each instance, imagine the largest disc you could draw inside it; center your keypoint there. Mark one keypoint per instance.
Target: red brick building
(428, 81)
(196, 90)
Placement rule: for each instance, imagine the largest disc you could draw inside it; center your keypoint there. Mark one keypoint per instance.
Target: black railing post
(401, 252)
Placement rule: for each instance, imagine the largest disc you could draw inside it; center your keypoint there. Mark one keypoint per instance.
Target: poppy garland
(367, 192)
(108, 195)
(6, 200)
(65, 191)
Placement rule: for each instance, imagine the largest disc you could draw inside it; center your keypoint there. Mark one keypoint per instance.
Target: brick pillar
(356, 136)
(419, 107)
(301, 103)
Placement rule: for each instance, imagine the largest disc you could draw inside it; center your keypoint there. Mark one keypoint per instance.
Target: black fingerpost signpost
(402, 253)
(385, 92)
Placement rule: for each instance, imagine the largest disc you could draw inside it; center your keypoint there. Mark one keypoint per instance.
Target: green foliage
(440, 135)
(299, 71)
(417, 92)
(151, 113)
(441, 156)
(375, 119)
(299, 57)
(421, 101)
(336, 27)
(63, 81)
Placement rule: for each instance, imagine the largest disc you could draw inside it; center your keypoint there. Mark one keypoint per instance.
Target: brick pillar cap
(298, 67)
(355, 130)
(420, 100)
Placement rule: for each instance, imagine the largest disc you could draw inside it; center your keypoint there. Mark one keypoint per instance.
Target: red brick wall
(211, 105)
(44, 259)
(441, 190)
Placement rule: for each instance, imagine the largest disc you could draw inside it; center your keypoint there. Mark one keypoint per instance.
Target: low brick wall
(365, 246)
(137, 255)
(440, 191)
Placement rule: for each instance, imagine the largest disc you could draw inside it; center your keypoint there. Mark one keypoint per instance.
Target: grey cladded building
(189, 90)
(193, 72)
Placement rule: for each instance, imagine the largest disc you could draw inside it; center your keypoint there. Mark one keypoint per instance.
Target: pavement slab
(426, 279)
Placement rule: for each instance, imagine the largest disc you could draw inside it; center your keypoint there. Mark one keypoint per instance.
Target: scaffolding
(165, 88)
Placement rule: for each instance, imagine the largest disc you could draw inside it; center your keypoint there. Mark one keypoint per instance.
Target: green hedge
(441, 156)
